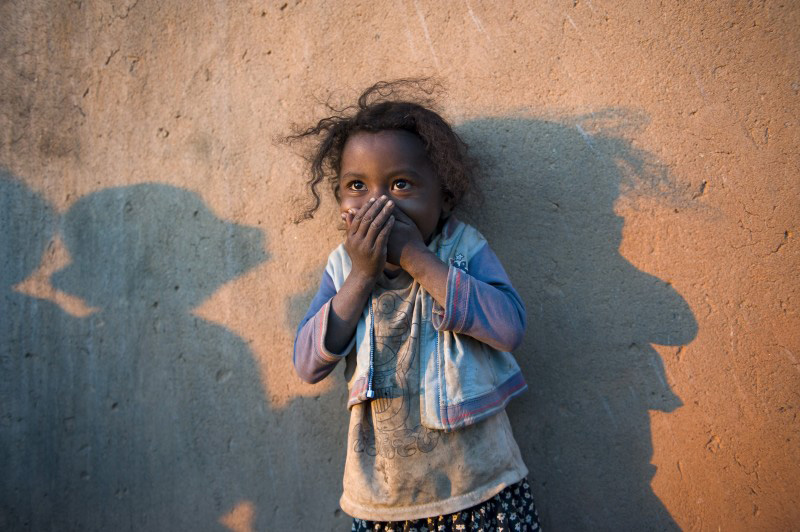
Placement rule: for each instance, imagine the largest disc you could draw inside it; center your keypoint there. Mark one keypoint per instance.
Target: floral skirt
(510, 510)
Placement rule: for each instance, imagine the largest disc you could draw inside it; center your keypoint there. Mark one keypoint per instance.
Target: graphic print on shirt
(387, 431)
(459, 262)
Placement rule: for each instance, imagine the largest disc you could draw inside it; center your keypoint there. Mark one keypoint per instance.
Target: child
(424, 315)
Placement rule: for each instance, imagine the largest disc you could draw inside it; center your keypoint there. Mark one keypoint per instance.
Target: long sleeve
(481, 303)
(312, 361)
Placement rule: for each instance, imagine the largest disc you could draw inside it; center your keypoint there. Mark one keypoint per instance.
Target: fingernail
(389, 203)
(372, 200)
(383, 197)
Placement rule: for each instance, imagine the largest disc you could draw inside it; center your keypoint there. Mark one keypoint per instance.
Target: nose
(380, 190)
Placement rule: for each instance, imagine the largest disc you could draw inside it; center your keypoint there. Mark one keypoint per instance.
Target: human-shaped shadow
(321, 421)
(584, 428)
(32, 418)
(170, 406)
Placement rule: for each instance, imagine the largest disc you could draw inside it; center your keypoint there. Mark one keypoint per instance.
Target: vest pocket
(468, 370)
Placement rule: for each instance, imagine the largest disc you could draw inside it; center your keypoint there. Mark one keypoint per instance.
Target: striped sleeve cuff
(321, 330)
(453, 315)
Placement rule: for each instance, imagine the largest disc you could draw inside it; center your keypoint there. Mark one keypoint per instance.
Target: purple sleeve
(312, 361)
(482, 303)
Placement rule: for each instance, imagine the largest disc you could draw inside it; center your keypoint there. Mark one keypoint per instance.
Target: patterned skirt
(510, 510)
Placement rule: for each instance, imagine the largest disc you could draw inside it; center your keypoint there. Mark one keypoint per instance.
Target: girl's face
(392, 163)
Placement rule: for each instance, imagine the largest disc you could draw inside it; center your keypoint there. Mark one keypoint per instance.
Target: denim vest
(462, 380)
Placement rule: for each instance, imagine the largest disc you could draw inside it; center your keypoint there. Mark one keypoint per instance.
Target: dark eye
(402, 184)
(356, 185)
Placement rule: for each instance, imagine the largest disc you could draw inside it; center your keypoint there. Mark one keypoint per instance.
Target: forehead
(388, 148)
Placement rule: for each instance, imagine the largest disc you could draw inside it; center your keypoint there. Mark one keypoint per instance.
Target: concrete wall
(641, 188)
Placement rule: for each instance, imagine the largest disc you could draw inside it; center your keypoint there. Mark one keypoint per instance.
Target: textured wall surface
(642, 189)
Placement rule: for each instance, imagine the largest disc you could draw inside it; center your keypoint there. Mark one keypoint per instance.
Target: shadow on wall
(584, 427)
(140, 416)
(28, 225)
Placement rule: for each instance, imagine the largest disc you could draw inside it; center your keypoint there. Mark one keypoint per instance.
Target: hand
(404, 238)
(368, 232)
(406, 248)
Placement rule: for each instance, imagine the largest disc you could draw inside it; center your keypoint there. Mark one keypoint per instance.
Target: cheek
(350, 203)
(424, 213)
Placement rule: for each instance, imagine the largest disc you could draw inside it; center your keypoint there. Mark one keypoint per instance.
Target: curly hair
(403, 104)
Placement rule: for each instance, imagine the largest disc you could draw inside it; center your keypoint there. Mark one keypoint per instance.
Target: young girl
(424, 315)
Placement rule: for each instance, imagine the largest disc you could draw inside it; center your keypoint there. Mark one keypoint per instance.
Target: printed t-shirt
(396, 469)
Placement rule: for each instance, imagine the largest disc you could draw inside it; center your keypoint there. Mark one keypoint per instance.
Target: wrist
(361, 281)
(414, 255)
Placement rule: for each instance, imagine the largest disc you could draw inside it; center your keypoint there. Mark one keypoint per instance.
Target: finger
(347, 218)
(359, 214)
(382, 241)
(379, 221)
(369, 216)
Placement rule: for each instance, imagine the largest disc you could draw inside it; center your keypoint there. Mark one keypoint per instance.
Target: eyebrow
(399, 171)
